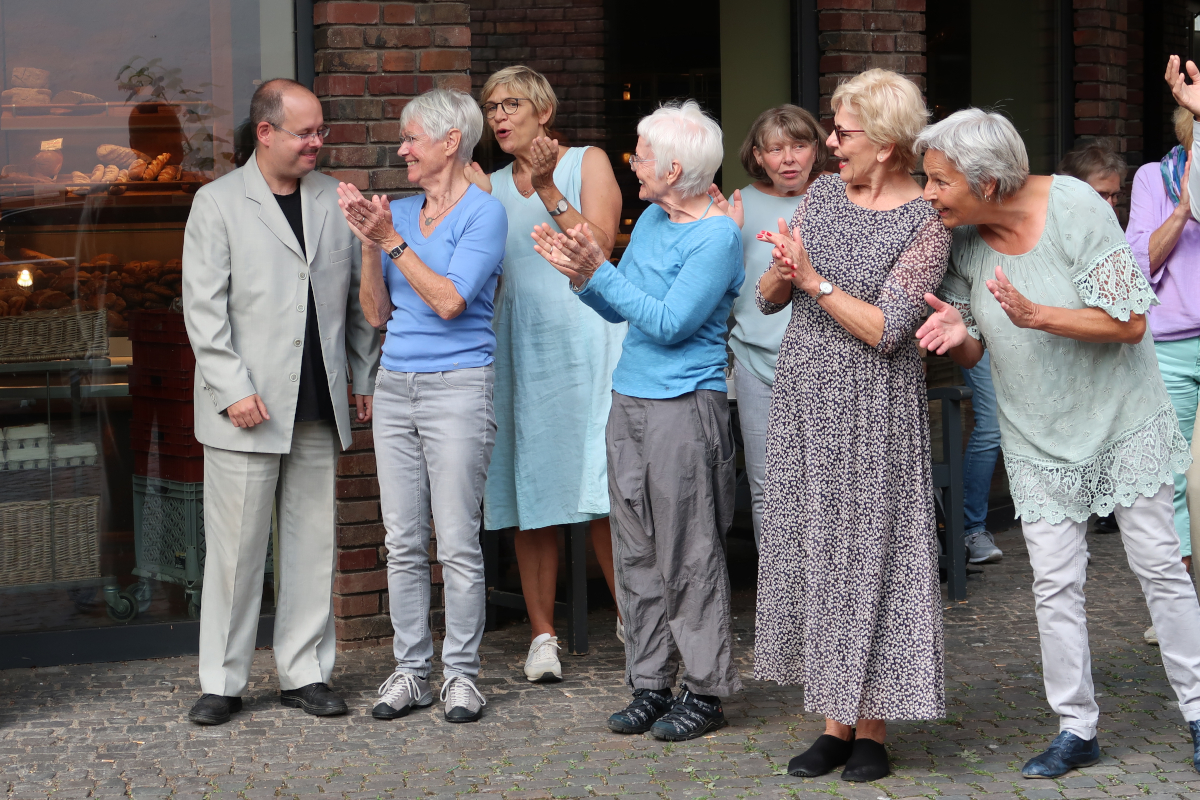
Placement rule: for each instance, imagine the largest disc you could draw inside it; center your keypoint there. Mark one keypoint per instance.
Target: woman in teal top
(554, 358)
(782, 150)
(1041, 275)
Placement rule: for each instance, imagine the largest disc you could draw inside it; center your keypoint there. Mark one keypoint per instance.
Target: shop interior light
(25, 280)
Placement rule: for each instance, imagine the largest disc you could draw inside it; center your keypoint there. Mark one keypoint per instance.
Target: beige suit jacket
(245, 303)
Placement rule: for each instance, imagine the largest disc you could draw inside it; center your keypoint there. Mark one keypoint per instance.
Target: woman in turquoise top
(782, 150)
(554, 358)
(1042, 277)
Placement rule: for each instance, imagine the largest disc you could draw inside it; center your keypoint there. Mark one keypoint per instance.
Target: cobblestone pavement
(112, 730)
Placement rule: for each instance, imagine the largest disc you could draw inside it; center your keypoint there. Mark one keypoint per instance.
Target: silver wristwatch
(824, 288)
(397, 251)
(560, 207)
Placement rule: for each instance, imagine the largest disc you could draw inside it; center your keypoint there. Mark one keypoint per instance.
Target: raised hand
(369, 220)
(734, 209)
(944, 330)
(1185, 95)
(477, 176)
(543, 158)
(573, 252)
(1022, 312)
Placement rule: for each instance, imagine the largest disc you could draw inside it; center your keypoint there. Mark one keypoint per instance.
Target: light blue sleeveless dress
(554, 363)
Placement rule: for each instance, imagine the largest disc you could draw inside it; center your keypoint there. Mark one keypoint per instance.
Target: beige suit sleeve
(362, 340)
(206, 275)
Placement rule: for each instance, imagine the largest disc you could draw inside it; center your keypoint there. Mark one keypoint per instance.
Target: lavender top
(1177, 284)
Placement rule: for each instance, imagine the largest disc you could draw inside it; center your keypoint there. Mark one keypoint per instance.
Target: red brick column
(1101, 74)
(857, 35)
(371, 59)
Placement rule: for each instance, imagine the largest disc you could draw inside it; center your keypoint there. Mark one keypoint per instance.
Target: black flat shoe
(868, 762)
(214, 709)
(826, 754)
(316, 699)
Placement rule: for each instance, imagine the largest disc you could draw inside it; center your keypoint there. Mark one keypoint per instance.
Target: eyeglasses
(509, 104)
(1108, 196)
(839, 133)
(635, 159)
(321, 133)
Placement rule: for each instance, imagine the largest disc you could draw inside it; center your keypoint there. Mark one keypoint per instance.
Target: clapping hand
(730, 208)
(573, 252)
(944, 330)
(370, 220)
(477, 176)
(1185, 95)
(790, 260)
(543, 158)
(1022, 312)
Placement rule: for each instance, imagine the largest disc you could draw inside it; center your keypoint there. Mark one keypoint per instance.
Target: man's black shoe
(692, 715)
(1107, 524)
(316, 699)
(647, 706)
(214, 709)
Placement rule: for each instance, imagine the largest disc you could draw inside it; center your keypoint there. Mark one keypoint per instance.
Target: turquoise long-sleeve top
(675, 285)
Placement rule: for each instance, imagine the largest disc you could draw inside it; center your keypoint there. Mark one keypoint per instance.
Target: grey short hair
(982, 145)
(682, 132)
(442, 110)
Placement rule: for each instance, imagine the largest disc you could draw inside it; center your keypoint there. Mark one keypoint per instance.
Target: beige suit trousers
(239, 492)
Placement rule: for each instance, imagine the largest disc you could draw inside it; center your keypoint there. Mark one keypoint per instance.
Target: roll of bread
(136, 169)
(169, 173)
(110, 173)
(155, 167)
(97, 174)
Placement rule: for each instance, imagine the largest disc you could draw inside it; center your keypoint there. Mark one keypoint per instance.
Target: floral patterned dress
(849, 602)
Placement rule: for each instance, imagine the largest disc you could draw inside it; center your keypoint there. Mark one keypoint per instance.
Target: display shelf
(114, 116)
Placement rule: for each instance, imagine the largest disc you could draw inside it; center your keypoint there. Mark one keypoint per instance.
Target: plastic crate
(164, 439)
(157, 326)
(167, 467)
(160, 382)
(163, 355)
(172, 413)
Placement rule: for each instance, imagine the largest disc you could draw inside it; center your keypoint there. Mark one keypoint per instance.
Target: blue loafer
(1195, 726)
(1065, 753)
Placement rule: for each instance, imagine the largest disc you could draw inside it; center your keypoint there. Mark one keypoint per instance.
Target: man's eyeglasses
(840, 133)
(318, 136)
(509, 104)
(635, 159)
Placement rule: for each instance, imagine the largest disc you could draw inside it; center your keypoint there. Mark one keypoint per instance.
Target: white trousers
(239, 492)
(1059, 556)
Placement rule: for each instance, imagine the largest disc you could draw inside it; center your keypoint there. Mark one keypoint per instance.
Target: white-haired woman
(849, 603)
(434, 428)
(669, 440)
(1042, 277)
(554, 357)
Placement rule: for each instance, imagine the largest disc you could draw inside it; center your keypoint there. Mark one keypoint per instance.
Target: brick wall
(857, 35)
(562, 39)
(1101, 72)
(371, 58)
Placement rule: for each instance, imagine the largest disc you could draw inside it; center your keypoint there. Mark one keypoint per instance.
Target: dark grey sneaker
(981, 548)
(690, 717)
(645, 710)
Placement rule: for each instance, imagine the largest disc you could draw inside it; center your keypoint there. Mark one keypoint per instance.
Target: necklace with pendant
(430, 220)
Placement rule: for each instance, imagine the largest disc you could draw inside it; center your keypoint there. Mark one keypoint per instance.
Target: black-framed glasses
(509, 104)
(839, 133)
(321, 133)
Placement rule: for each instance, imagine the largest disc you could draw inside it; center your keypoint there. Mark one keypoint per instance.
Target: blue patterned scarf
(1171, 167)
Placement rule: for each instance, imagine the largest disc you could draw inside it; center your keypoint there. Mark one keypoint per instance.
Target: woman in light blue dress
(554, 356)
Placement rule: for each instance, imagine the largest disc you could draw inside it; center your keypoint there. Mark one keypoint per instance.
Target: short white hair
(682, 132)
(440, 111)
(984, 146)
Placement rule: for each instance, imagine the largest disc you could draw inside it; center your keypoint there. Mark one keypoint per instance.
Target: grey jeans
(434, 433)
(670, 487)
(754, 407)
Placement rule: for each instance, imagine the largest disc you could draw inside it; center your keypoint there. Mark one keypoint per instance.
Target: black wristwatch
(397, 251)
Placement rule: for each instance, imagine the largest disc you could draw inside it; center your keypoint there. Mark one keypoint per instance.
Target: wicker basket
(45, 541)
(50, 335)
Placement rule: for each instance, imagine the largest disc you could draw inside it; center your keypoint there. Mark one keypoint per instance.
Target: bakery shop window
(112, 116)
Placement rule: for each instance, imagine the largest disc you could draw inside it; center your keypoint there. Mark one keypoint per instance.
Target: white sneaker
(620, 631)
(399, 694)
(1151, 635)
(542, 664)
(463, 701)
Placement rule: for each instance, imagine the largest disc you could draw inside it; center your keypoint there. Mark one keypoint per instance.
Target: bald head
(288, 124)
(267, 103)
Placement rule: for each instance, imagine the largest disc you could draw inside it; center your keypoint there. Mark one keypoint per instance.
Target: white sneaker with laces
(401, 693)
(463, 701)
(981, 548)
(542, 664)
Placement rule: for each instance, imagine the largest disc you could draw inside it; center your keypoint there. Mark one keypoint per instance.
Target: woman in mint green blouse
(1041, 276)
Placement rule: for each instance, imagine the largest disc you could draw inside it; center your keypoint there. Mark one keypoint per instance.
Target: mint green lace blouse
(1083, 426)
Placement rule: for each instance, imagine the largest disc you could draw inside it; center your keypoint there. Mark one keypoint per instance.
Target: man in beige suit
(270, 297)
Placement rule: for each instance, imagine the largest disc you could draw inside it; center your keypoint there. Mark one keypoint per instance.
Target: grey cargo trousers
(671, 486)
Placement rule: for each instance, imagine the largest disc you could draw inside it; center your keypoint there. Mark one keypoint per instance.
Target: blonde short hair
(527, 82)
(1182, 119)
(890, 109)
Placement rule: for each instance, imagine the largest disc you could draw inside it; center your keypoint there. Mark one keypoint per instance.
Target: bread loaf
(25, 97)
(155, 167)
(30, 78)
(136, 169)
(75, 98)
(123, 157)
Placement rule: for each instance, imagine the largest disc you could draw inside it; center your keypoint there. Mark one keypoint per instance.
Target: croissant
(155, 166)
